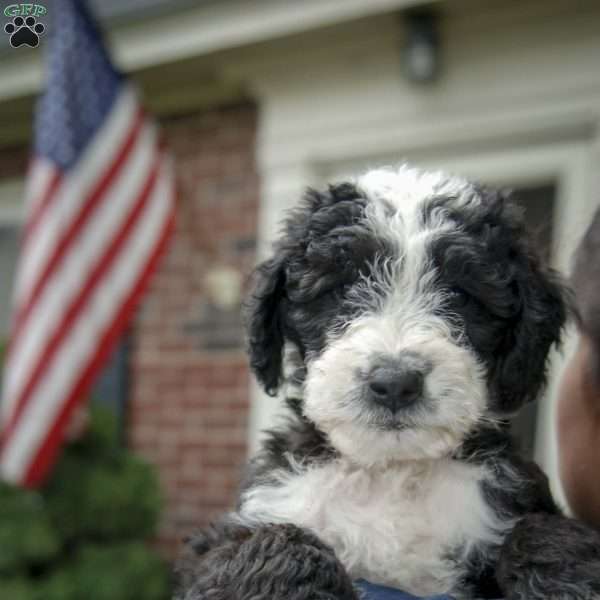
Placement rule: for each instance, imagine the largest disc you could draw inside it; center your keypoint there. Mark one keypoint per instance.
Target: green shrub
(27, 536)
(83, 535)
(18, 588)
(126, 571)
(117, 499)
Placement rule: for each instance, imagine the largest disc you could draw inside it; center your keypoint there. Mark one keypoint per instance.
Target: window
(9, 247)
(538, 203)
(11, 194)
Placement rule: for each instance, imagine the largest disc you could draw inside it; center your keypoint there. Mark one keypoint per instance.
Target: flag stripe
(39, 173)
(81, 350)
(80, 300)
(41, 205)
(37, 471)
(42, 184)
(69, 277)
(78, 222)
(77, 184)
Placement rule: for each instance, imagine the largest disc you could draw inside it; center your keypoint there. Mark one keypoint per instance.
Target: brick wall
(188, 408)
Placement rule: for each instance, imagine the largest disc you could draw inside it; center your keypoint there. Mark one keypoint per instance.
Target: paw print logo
(24, 31)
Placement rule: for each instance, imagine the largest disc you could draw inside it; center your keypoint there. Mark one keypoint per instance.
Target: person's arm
(579, 432)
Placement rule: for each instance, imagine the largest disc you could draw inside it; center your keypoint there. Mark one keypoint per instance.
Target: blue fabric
(81, 85)
(378, 592)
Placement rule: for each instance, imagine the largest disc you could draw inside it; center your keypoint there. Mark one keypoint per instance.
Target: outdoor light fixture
(421, 52)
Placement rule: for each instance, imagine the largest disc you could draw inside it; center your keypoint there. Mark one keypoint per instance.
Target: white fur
(407, 187)
(455, 385)
(291, 362)
(395, 526)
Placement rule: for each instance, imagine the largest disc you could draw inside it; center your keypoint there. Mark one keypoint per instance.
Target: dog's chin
(382, 443)
(381, 419)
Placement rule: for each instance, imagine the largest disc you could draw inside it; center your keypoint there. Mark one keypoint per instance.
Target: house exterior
(260, 99)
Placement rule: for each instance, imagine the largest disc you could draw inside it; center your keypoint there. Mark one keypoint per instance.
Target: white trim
(391, 134)
(12, 205)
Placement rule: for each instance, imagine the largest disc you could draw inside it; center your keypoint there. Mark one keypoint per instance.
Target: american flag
(100, 207)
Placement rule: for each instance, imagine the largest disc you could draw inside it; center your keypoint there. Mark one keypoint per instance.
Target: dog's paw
(24, 31)
(234, 562)
(550, 556)
(227, 529)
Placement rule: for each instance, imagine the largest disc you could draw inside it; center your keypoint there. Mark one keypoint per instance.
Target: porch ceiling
(162, 35)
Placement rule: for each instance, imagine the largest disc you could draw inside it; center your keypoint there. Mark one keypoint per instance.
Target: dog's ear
(543, 300)
(263, 319)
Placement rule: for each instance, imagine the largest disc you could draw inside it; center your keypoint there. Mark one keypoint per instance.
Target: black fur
(297, 438)
(519, 488)
(501, 301)
(270, 562)
(300, 291)
(264, 325)
(552, 557)
(512, 307)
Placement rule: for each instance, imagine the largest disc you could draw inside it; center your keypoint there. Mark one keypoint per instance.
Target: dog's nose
(395, 389)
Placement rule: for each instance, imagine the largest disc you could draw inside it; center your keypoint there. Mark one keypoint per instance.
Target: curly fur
(264, 563)
(402, 271)
(550, 556)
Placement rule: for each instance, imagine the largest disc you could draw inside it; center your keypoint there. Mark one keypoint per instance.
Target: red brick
(189, 407)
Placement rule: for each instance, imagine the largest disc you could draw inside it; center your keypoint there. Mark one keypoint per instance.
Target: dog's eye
(458, 297)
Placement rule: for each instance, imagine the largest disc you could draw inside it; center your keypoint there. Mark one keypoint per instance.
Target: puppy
(408, 318)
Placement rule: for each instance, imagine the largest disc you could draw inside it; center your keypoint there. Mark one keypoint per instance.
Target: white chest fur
(395, 526)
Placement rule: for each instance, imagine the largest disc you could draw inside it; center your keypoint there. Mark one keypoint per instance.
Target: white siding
(518, 101)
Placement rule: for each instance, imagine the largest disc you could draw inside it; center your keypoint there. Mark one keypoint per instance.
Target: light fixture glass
(421, 52)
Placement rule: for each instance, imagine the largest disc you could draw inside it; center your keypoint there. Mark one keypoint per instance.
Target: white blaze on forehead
(398, 200)
(399, 195)
(406, 188)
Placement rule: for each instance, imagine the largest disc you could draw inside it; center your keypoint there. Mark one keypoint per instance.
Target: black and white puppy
(408, 317)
